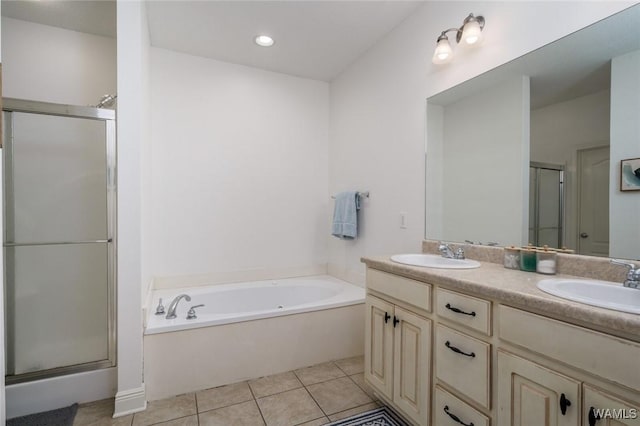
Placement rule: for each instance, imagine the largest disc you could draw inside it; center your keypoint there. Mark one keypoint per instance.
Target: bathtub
(229, 303)
(249, 330)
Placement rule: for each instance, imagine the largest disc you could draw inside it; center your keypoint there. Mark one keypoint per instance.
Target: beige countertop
(518, 289)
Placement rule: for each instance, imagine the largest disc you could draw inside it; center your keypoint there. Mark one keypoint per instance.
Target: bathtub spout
(171, 312)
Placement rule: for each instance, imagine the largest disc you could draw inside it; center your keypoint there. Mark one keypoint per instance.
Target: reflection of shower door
(546, 204)
(58, 247)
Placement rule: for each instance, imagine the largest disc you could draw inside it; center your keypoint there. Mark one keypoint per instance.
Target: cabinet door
(531, 395)
(378, 351)
(412, 361)
(602, 409)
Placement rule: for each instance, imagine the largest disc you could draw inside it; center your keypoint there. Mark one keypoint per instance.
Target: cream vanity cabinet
(398, 343)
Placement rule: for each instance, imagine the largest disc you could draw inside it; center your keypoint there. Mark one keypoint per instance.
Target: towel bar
(360, 194)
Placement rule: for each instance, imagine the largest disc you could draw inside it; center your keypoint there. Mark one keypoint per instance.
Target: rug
(60, 417)
(378, 417)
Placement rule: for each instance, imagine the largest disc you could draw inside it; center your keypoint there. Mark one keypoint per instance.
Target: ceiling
(314, 39)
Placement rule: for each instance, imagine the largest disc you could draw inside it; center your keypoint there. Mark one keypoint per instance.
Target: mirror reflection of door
(593, 214)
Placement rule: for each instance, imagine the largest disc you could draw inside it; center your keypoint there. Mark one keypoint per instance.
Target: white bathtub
(249, 330)
(229, 303)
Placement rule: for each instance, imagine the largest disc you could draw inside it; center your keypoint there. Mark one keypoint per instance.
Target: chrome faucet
(171, 312)
(448, 252)
(633, 276)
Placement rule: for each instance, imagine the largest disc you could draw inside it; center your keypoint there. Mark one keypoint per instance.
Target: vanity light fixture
(264, 41)
(470, 32)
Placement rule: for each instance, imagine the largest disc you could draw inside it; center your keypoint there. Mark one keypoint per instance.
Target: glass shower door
(58, 244)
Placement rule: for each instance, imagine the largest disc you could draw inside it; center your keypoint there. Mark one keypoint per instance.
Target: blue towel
(345, 215)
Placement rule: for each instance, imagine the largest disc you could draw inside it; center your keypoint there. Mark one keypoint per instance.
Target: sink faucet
(171, 312)
(448, 252)
(633, 276)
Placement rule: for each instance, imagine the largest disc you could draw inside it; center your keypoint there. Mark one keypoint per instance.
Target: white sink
(434, 261)
(604, 294)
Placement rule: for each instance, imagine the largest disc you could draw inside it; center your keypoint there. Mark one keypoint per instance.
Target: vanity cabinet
(398, 348)
(470, 360)
(529, 394)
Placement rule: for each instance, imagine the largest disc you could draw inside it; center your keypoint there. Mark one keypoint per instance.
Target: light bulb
(472, 33)
(443, 52)
(264, 41)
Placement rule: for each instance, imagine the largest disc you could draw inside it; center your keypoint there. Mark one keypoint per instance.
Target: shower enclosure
(59, 213)
(546, 204)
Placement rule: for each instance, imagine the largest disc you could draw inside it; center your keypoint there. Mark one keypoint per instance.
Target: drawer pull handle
(395, 321)
(458, 351)
(564, 403)
(593, 417)
(386, 317)
(459, 311)
(455, 418)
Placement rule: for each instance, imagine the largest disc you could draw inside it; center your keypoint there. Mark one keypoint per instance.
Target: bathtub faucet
(171, 312)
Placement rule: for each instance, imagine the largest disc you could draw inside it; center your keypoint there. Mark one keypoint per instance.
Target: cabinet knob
(386, 317)
(395, 321)
(564, 403)
(593, 417)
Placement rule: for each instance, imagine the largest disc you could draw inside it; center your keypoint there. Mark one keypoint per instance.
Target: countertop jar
(528, 260)
(512, 257)
(546, 262)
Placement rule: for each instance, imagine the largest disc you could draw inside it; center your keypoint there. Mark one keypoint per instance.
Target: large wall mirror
(531, 151)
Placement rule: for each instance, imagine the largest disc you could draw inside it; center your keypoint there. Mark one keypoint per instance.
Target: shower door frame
(11, 105)
(536, 219)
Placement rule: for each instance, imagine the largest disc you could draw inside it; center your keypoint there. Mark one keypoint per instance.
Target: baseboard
(130, 401)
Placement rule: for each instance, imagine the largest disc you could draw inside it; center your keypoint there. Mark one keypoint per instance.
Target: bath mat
(378, 417)
(60, 417)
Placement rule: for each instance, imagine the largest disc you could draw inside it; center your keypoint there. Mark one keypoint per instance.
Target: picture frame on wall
(630, 174)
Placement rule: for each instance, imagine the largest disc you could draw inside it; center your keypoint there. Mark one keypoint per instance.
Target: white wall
(51, 64)
(485, 165)
(133, 102)
(558, 131)
(378, 109)
(625, 143)
(239, 168)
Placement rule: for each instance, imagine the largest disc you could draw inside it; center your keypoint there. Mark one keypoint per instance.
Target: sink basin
(604, 294)
(434, 261)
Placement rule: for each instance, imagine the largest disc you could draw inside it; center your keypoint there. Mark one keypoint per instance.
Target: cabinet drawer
(607, 356)
(409, 291)
(465, 310)
(612, 410)
(447, 408)
(463, 363)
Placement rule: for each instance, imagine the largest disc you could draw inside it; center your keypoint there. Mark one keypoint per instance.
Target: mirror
(531, 150)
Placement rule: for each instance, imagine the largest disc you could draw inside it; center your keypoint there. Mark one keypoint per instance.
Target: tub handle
(191, 314)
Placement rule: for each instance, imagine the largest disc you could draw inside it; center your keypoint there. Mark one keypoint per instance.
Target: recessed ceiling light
(264, 41)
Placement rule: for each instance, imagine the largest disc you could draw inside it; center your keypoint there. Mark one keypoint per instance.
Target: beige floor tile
(166, 409)
(318, 373)
(351, 365)
(338, 395)
(317, 422)
(277, 383)
(244, 414)
(223, 396)
(100, 413)
(359, 380)
(184, 421)
(353, 411)
(289, 408)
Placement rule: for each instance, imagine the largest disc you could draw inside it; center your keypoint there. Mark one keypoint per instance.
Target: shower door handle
(584, 235)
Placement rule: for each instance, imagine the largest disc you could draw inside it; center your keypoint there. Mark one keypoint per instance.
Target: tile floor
(311, 396)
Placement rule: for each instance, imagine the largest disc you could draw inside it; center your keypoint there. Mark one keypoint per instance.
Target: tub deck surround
(518, 289)
(245, 335)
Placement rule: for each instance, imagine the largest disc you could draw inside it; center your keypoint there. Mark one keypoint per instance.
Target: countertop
(518, 289)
